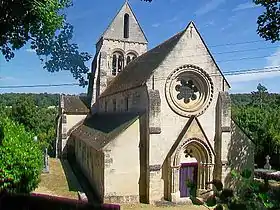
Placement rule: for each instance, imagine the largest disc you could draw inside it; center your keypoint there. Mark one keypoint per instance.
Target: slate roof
(99, 129)
(137, 72)
(75, 104)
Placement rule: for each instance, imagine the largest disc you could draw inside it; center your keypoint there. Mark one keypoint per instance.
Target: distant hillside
(41, 100)
(246, 98)
(46, 99)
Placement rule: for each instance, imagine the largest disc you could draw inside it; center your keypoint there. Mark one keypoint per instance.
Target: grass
(60, 181)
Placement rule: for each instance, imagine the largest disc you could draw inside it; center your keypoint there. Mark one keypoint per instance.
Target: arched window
(126, 26)
(117, 63)
(128, 60)
(130, 57)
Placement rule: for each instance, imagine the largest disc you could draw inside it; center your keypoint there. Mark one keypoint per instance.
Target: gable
(194, 130)
(75, 104)
(115, 30)
(200, 39)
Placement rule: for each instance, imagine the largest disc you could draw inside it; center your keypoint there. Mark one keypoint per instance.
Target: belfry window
(117, 63)
(130, 57)
(126, 26)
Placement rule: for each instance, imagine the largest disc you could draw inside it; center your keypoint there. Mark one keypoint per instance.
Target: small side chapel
(152, 119)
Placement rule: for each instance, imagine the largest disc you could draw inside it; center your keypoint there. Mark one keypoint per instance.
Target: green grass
(60, 181)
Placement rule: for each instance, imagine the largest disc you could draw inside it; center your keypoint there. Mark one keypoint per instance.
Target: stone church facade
(152, 120)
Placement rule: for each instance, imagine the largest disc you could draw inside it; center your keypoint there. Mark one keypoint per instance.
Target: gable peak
(125, 26)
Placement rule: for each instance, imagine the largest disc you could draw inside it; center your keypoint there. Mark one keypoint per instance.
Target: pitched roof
(99, 129)
(115, 28)
(75, 104)
(137, 72)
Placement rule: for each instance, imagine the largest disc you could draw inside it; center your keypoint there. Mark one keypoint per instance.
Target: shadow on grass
(72, 181)
(71, 169)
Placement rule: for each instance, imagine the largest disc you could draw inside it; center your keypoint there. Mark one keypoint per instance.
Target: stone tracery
(189, 90)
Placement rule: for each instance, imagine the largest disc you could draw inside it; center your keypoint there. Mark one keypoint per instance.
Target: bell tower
(121, 43)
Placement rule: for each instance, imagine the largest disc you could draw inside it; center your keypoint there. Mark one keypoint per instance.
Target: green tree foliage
(42, 24)
(269, 21)
(21, 158)
(39, 120)
(41, 99)
(260, 119)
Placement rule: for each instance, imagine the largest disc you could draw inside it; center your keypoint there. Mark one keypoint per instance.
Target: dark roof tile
(75, 104)
(99, 129)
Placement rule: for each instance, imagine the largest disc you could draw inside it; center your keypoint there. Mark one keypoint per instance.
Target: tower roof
(115, 30)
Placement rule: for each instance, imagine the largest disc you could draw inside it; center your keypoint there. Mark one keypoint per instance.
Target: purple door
(188, 171)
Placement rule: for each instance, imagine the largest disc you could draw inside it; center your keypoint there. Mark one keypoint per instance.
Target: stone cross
(46, 161)
(267, 165)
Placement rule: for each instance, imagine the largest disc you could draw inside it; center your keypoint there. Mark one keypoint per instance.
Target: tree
(261, 121)
(21, 158)
(260, 96)
(42, 24)
(24, 112)
(269, 21)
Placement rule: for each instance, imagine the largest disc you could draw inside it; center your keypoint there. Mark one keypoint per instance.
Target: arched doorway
(190, 163)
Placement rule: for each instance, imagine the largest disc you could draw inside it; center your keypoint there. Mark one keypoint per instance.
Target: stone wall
(171, 123)
(67, 123)
(122, 166)
(103, 72)
(137, 101)
(240, 153)
(91, 162)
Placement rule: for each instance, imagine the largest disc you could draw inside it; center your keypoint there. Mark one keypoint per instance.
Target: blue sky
(219, 22)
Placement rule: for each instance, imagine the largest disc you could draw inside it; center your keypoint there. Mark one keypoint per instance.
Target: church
(152, 120)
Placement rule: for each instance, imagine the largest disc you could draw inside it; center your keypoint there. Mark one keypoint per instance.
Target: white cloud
(7, 78)
(247, 5)
(273, 60)
(172, 19)
(251, 77)
(30, 50)
(155, 25)
(210, 23)
(210, 6)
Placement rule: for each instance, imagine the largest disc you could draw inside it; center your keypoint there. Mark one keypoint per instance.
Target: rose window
(189, 90)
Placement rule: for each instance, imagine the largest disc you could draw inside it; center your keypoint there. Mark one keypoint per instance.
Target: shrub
(249, 194)
(21, 158)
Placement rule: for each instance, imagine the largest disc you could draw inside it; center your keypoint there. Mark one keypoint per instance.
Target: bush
(21, 158)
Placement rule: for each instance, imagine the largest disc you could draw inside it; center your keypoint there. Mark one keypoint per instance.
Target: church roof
(137, 72)
(99, 129)
(75, 104)
(115, 28)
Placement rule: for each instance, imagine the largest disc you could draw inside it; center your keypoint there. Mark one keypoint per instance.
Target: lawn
(60, 181)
